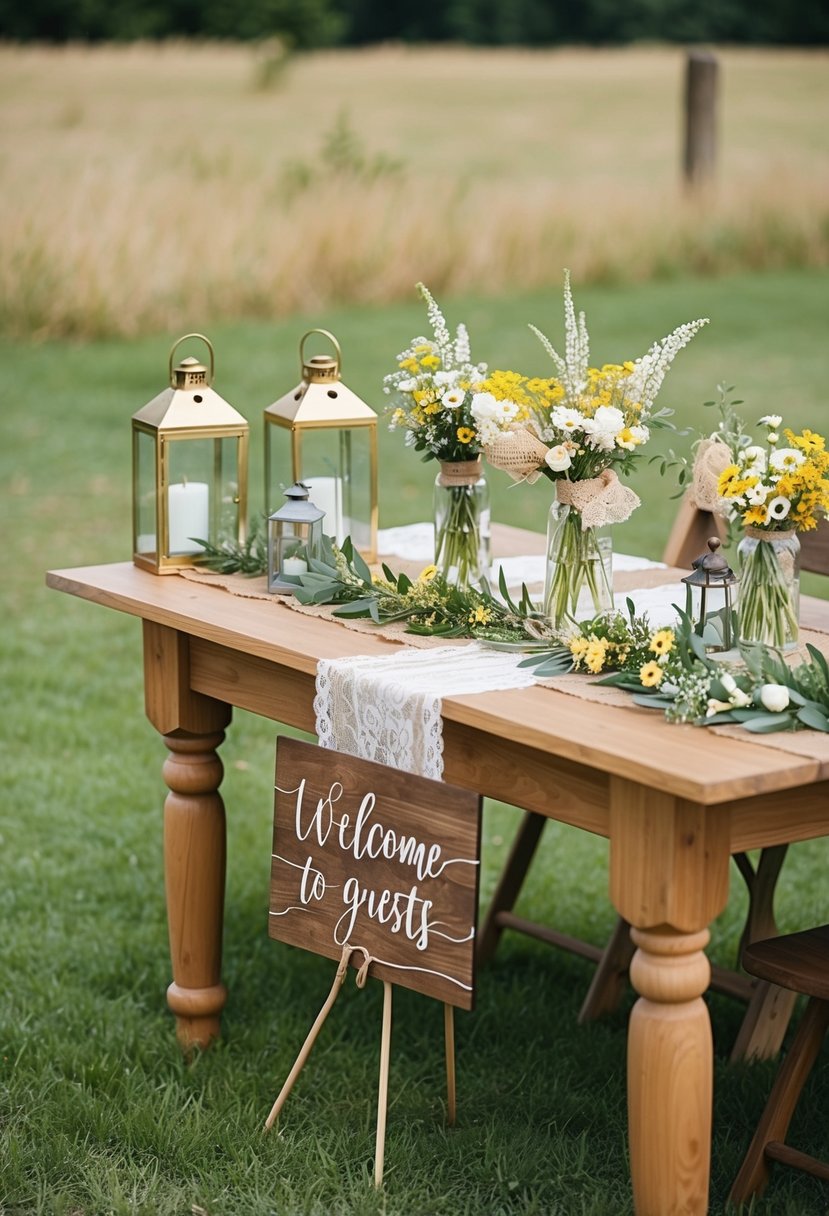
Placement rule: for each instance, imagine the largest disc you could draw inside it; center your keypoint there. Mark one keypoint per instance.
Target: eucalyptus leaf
(812, 717)
(768, 725)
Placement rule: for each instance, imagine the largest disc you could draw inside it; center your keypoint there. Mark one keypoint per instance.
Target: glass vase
(461, 515)
(769, 588)
(578, 581)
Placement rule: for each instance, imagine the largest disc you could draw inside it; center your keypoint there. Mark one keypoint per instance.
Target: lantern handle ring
(184, 338)
(326, 334)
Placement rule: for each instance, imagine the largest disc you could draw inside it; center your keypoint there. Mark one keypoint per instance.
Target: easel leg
(305, 1050)
(449, 1039)
(382, 1099)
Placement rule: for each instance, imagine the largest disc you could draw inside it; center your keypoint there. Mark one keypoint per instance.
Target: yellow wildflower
(427, 574)
(430, 362)
(465, 434)
(595, 654)
(662, 642)
(807, 441)
(578, 647)
(409, 365)
(729, 474)
(651, 674)
(480, 615)
(756, 516)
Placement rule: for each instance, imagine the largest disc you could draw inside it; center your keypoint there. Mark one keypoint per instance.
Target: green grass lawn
(98, 1113)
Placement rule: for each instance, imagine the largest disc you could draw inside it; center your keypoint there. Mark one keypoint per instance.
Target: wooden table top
(635, 743)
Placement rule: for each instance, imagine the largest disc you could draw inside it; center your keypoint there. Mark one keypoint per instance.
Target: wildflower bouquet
(433, 393)
(578, 428)
(772, 492)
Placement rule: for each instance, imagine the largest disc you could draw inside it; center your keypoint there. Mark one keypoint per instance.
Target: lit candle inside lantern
(188, 515)
(327, 494)
(294, 565)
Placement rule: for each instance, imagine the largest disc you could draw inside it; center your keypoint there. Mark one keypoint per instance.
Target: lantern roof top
(321, 402)
(178, 409)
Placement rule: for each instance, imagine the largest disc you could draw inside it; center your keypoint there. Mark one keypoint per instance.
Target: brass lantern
(322, 435)
(189, 469)
(294, 538)
(711, 599)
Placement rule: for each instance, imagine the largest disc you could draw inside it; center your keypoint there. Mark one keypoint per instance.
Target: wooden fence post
(701, 87)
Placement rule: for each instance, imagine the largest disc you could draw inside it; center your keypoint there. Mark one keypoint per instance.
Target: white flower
(446, 378)
(773, 437)
(609, 418)
(483, 406)
(453, 399)
(786, 458)
(754, 458)
(717, 707)
(739, 699)
(566, 419)
(774, 697)
(779, 507)
(558, 458)
(728, 682)
(407, 386)
(771, 420)
(757, 495)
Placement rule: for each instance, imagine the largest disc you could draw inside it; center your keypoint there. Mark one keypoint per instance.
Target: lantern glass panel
(202, 480)
(145, 523)
(336, 466)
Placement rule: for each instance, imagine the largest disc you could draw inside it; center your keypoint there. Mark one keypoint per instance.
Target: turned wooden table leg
(194, 877)
(669, 863)
(670, 1073)
(194, 832)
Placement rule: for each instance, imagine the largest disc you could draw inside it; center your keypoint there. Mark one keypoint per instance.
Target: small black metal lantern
(294, 537)
(711, 598)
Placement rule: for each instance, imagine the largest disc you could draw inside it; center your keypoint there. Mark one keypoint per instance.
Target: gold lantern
(711, 599)
(322, 435)
(189, 469)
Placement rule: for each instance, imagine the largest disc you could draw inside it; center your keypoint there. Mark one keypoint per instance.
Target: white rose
(609, 418)
(558, 458)
(483, 406)
(774, 697)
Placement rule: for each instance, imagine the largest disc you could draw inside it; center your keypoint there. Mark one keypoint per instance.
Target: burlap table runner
(809, 743)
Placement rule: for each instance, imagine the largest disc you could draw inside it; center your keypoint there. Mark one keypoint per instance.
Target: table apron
(490, 764)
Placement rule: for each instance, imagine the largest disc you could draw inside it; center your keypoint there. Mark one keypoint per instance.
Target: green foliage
(313, 23)
(342, 155)
(307, 24)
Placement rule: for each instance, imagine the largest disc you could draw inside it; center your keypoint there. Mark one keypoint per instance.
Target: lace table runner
(388, 709)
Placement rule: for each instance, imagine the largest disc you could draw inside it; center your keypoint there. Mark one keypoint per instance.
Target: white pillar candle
(294, 565)
(188, 515)
(326, 493)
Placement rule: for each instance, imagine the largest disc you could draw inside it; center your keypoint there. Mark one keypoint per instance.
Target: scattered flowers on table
(761, 693)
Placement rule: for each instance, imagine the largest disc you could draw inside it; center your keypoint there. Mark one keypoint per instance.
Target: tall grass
(148, 187)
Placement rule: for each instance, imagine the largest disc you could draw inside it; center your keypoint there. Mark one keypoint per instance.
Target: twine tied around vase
(763, 534)
(460, 472)
(599, 500)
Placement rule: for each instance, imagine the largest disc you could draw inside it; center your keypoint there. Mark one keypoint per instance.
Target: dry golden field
(143, 182)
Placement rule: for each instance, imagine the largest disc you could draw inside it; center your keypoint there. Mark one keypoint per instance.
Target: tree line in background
(306, 24)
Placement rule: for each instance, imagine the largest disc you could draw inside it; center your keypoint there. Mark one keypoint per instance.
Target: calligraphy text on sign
(384, 860)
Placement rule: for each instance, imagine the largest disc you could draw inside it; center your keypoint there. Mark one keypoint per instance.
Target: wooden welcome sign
(383, 860)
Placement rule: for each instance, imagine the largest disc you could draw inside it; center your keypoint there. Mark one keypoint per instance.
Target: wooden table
(674, 801)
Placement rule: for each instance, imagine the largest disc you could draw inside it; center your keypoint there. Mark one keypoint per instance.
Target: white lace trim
(388, 709)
